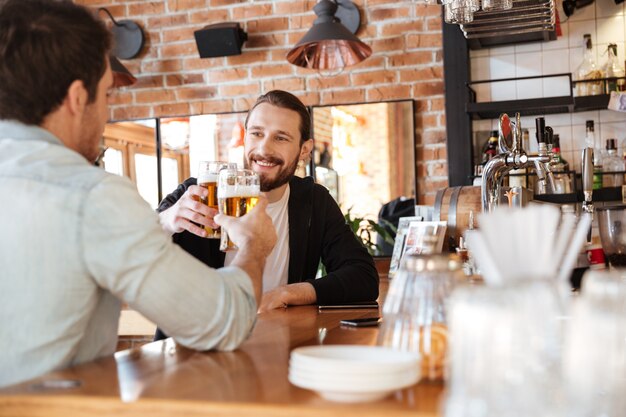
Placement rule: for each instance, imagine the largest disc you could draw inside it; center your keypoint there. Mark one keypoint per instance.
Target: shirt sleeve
(127, 253)
(175, 195)
(351, 274)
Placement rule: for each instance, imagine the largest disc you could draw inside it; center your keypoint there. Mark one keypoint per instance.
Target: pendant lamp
(329, 45)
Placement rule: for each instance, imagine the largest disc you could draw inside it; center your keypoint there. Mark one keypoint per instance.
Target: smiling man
(308, 222)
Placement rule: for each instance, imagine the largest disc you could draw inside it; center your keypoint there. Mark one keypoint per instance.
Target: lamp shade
(328, 44)
(121, 76)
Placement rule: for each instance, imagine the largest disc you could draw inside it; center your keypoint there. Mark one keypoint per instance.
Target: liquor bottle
(612, 68)
(560, 168)
(588, 70)
(612, 163)
(490, 149)
(590, 142)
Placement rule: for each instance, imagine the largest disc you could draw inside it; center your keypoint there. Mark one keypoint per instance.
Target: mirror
(365, 154)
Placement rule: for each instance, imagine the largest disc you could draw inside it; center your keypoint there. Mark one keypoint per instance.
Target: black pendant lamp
(329, 45)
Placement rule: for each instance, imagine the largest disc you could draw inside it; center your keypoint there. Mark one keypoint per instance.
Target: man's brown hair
(45, 45)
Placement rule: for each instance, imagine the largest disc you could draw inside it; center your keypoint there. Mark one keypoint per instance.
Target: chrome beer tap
(509, 158)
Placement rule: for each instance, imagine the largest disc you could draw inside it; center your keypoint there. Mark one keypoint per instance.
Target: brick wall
(406, 64)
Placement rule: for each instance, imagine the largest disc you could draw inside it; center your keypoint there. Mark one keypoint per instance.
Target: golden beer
(238, 193)
(208, 172)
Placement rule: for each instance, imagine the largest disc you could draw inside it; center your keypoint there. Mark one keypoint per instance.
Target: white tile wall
(606, 22)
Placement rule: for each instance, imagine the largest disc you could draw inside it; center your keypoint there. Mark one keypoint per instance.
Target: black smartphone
(368, 322)
(357, 305)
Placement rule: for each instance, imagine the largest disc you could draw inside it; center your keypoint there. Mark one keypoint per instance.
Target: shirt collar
(12, 129)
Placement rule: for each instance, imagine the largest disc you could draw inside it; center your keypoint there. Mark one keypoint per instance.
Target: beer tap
(587, 162)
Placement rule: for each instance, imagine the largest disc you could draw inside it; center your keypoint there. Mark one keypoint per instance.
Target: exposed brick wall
(406, 64)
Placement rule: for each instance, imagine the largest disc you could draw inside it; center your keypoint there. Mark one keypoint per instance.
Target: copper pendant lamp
(329, 45)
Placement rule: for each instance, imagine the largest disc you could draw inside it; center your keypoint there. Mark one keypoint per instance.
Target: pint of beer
(238, 192)
(208, 172)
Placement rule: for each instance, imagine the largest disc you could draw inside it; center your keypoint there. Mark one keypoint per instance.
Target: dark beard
(283, 177)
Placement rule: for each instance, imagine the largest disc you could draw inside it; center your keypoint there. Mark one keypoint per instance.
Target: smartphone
(357, 305)
(368, 322)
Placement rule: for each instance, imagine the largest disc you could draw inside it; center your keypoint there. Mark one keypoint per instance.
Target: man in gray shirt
(75, 241)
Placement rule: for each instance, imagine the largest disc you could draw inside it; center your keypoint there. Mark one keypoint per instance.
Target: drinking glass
(414, 312)
(504, 350)
(237, 193)
(594, 354)
(208, 172)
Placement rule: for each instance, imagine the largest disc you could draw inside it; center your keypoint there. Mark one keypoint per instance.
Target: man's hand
(189, 209)
(293, 294)
(255, 236)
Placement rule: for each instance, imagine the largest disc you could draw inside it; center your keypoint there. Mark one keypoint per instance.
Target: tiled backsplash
(605, 21)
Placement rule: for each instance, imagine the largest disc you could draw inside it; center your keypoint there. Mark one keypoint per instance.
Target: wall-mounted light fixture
(128, 41)
(331, 43)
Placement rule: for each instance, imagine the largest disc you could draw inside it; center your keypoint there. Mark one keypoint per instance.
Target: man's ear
(305, 149)
(76, 98)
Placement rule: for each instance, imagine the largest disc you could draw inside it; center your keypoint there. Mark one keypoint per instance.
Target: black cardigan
(317, 231)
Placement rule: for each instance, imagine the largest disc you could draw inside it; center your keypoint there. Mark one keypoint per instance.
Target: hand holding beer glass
(237, 192)
(208, 172)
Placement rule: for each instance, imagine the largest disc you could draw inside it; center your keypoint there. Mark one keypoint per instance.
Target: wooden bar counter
(162, 378)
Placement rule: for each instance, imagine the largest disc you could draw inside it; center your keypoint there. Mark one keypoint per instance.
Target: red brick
(207, 17)
(269, 70)
(179, 49)
(155, 96)
(434, 24)
(427, 199)
(424, 41)
(427, 89)
(411, 58)
(434, 136)
(178, 109)
(437, 169)
(300, 24)
(167, 21)
(374, 77)
(248, 57)
(179, 34)
(395, 92)
(374, 61)
(231, 90)
(420, 74)
(166, 65)
(228, 74)
(183, 5)
(343, 96)
(243, 104)
(218, 3)
(175, 80)
(420, 106)
(217, 106)
(441, 120)
(146, 8)
(150, 81)
(272, 24)
(128, 113)
(323, 83)
(252, 10)
(400, 28)
(388, 13)
(371, 3)
(120, 97)
(293, 7)
(428, 10)
(193, 64)
(291, 84)
(437, 104)
(311, 98)
(265, 40)
(390, 44)
(196, 93)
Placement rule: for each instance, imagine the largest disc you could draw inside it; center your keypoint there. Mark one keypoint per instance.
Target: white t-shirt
(276, 270)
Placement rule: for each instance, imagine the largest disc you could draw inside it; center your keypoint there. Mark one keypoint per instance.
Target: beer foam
(208, 177)
(238, 191)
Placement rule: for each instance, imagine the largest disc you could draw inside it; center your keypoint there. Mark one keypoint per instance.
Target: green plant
(366, 230)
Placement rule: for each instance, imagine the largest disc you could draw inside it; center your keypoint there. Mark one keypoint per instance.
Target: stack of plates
(349, 373)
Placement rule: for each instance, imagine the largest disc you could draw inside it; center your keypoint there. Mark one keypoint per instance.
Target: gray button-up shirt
(74, 241)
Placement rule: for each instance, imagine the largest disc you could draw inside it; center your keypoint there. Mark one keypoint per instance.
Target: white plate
(353, 358)
(327, 382)
(351, 378)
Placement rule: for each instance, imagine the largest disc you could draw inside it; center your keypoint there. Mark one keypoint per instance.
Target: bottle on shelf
(612, 68)
(612, 163)
(490, 149)
(560, 168)
(590, 142)
(588, 70)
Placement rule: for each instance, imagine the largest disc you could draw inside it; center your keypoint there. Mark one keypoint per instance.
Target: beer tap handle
(548, 136)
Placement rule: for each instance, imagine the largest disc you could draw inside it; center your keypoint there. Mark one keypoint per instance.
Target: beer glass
(237, 193)
(208, 172)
